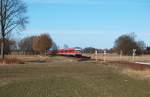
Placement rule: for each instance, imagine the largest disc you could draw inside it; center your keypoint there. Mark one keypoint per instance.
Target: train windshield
(78, 50)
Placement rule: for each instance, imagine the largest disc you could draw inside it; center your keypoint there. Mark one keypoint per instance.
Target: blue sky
(85, 23)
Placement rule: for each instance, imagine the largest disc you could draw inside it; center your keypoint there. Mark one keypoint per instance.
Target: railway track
(80, 58)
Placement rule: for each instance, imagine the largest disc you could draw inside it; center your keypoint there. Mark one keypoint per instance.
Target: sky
(88, 23)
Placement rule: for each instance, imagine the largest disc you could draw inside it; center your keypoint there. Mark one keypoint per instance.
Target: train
(66, 52)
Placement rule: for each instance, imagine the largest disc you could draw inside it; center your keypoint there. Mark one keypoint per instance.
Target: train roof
(70, 49)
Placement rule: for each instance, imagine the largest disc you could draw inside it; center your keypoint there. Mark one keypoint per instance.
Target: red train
(66, 52)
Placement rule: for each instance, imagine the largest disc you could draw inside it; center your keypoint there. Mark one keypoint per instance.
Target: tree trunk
(2, 49)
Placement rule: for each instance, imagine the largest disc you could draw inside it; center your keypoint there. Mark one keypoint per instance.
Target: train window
(79, 51)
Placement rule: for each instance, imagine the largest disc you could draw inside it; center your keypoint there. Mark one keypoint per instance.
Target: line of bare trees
(31, 45)
(36, 44)
(40, 44)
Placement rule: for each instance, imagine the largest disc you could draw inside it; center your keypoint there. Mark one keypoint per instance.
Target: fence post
(96, 58)
(121, 55)
(104, 58)
(133, 56)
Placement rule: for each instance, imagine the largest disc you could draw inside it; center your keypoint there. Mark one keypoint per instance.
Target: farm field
(68, 77)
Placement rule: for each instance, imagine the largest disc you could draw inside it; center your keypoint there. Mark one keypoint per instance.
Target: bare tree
(54, 46)
(12, 19)
(126, 43)
(26, 44)
(9, 45)
(141, 47)
(42, 43)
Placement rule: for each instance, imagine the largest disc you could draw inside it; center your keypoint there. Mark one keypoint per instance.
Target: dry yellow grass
(145, 74)
(36, 58)
(108, 57)
(115, 57)
(26, 57)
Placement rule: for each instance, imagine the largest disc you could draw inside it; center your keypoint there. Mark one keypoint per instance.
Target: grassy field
(66, 77)
(116, 57)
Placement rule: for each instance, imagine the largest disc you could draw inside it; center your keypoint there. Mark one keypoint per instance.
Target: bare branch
(12, 17)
